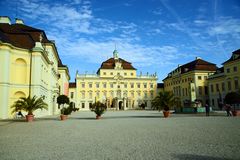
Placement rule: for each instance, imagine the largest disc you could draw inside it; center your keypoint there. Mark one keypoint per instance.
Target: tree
(62, 99)
(29, 104)
(164, 100)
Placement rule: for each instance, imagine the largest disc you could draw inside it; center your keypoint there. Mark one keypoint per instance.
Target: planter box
(199, 110)
(188, 110)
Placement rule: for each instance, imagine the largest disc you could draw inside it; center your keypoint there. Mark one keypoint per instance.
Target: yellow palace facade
(189, 83)
(116, 84)
(225, 80)
(30, 65)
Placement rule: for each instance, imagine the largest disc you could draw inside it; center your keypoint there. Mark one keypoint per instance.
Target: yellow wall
(15, 73)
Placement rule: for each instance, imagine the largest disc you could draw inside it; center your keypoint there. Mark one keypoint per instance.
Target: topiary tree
(61, 100)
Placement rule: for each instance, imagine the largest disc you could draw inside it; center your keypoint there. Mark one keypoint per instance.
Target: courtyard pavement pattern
(141, 135)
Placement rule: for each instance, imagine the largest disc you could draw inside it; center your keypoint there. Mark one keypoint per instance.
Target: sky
(154, 35)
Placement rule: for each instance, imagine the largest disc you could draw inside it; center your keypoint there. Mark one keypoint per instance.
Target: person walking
(228, 109)
(207, 109)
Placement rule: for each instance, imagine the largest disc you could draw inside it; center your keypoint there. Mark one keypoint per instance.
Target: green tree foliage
(29, 104)
(164, 100)
(99, 108)
(62, 99)
(232, 98)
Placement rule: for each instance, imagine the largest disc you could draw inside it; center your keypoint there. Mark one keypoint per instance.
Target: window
(90, 85)
(151, 85)
(125, 94)
(83, 95)
(125, 74)
(131, 74)
(111, 85)
(217, 87)
(139, 94)
(118, 86)
(132, 85)
(151, 93)
(212, 89)
(236, 83)
(104, 85)
(125, 85)
(97, 85)
(183, 92)
(206, 90)
(83, 105)
(132, 94)
(90, 104)
(104, 73)
(186, 91)
(72, 94)
(229, 85)
(97, 95)
(83, 85)
(228, 70)
(199, 77)
(111, 92)
(138, 85)
(205, 77)
(200, 90)
(105, 94)
(223, 86)
(235, 69)
(145, 85)
(90, 95)
(145, 95)
(111, 73)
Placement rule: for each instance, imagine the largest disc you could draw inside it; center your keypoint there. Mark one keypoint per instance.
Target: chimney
(5, 19)
(19, 21)
(198, 58)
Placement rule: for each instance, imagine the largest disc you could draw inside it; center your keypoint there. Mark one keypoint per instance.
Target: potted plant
(65, 111)
(29, 105)
(163, 101)
(62, 100)
(99, 108)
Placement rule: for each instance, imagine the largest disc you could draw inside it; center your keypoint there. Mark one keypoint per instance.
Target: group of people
(227, 107)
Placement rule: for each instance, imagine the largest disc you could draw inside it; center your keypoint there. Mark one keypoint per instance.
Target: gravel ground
(141, 135)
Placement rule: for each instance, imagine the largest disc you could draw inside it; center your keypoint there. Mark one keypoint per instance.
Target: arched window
(21, 71)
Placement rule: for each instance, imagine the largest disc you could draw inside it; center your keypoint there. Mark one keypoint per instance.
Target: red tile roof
(197, 64)
(110, 64)
(20, 35)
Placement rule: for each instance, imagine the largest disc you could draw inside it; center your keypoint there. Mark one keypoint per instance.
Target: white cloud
(225, 25)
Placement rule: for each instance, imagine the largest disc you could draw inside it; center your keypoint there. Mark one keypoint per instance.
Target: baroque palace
(30, 65)
(200, 82)
(116, 84)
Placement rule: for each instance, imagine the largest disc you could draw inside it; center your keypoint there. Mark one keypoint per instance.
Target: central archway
(120, 105)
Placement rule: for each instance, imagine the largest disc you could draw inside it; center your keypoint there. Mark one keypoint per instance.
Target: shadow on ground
(197, 157)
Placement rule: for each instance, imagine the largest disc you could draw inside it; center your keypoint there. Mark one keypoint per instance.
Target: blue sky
(155, 35)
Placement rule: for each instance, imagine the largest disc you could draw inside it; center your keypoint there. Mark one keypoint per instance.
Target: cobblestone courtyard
(122, 135)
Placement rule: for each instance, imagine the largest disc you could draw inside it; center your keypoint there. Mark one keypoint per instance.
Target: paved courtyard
(122, 135)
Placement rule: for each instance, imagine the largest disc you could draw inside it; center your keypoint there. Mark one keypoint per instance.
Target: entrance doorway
(120, 105)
